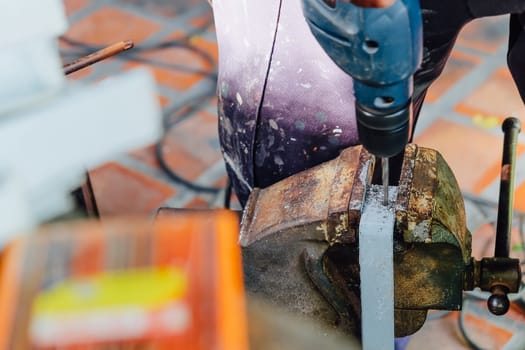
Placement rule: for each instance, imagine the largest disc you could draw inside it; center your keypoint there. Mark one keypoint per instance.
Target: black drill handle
(511, 128)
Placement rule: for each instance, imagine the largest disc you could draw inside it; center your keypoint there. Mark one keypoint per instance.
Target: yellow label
(144, 288)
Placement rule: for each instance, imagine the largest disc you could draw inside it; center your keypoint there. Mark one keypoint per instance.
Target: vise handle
(501, 274)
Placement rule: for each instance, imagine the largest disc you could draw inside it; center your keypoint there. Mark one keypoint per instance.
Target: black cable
(174, 176)
(185, 69)
(192, 107)
(228, 194)
(168, 125)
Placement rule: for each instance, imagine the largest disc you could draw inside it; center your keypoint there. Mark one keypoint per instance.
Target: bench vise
(301, 250)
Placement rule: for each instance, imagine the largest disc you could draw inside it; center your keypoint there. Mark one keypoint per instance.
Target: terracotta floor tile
(163, 101)
(484, 238)
(486, 333)
(497, 97)
(176, 35)
(146, 155)
(202, 21)
(179, 112)
(483, 241)
(206, 103)
(158, 7)
(110, 24)
(197, 203)
(457, 66)
(198, 134)
(74, 5)
(222, 182)
(493, 173)
(182, 161)
(187, 68)
(179, 78)
(519, 198)
(191, 146)
(486, 34)
(119, 190)
(442, 334)
(209, 47)
(470, 152)
(162, 7)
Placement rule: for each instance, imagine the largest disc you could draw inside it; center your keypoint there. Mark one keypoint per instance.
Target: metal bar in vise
(376, 261)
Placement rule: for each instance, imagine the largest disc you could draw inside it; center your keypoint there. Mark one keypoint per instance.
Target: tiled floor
(461, 118)
(135, 183)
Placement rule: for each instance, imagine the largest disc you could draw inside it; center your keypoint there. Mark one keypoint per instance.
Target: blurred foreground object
(174, 284)
(52, 131)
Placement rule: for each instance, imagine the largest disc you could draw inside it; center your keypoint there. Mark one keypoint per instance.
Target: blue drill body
(381, 48)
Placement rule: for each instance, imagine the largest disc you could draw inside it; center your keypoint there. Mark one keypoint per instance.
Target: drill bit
(384, 166)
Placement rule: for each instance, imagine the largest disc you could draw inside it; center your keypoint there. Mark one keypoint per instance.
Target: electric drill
(380, 48)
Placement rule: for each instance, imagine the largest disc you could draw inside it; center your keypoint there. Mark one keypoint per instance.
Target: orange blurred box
(175, 283)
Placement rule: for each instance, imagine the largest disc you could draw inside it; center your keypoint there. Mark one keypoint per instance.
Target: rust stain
(353, 174)
(299, 200)
(340, 192)
(505, 172)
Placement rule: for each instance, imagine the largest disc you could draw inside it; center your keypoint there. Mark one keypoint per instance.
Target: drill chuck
(383, 132)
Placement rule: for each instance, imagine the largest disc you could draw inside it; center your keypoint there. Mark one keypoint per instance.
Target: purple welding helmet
(284, 106)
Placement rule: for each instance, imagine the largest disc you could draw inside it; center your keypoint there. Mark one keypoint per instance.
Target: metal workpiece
(300, 240)
(376, 264)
